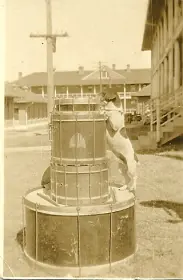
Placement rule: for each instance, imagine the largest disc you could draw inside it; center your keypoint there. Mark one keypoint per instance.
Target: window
(63, 89)
(133, 102)
(60, 89)
(45, 89)
(16, 111)
(173, 62)
(179, 9)
(162, 32)
(128, 88)
(37, 90)
(133, 88)
(167, 17)
(90, 88)
(104, 75)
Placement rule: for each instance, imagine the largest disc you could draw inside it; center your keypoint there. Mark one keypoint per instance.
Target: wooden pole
(100, 72)
(157, 104)
(50, 82)
(151, 114)
(151, 100)
(124, 98)
(51, 43)
(158, 119)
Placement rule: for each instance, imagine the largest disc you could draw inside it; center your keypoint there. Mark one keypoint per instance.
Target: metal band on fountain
(79, 169)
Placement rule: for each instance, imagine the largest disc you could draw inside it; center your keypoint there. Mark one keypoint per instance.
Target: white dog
(117, 138)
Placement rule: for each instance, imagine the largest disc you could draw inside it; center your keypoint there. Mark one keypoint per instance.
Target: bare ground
(159, 223)
(26, 139)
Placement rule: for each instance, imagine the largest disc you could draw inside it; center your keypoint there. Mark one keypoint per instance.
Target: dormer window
(105, 75)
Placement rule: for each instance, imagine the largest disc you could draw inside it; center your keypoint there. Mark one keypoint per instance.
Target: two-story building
(163, 35)
(128, 83)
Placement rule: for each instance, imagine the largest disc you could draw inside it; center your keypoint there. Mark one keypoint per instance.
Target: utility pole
(110, 80)
(51, 47)
(124, 98)
(100, 72)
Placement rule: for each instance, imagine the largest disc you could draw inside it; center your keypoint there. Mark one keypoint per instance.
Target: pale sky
(106, 30)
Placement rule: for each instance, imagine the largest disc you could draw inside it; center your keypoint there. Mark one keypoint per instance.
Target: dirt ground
(39, 136)
(26, 139)
(159, 215)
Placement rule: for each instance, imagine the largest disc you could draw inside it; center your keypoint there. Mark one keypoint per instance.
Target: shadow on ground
(168, 207)
(20, 238)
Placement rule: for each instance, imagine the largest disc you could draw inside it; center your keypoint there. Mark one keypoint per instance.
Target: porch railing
(165, 109)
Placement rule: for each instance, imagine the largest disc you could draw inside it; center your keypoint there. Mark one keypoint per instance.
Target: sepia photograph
(92, 122)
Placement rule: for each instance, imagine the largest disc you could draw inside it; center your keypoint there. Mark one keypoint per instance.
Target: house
(23, 108)
(163, 35)
(143, 99)
(10, 93)
(128, 83)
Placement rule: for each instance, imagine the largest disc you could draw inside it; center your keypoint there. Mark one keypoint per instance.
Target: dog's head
(108, 95)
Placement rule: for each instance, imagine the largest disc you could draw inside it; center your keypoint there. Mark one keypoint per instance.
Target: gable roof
(112, 77)
(21, 96)
(72, 78)
(12, 90)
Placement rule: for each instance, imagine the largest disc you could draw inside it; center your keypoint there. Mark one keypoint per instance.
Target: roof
(13, 91)
(152, 17)
(137, 76)
(31, 97)
(112, 76)
(21, 96)
(145, 91)
(69, 78)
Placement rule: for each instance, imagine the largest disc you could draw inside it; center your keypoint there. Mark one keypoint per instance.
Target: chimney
(128, 67)
(113, 66)
(81, 70)
(19, 75)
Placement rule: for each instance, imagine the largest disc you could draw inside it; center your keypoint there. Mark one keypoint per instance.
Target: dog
(117, 138)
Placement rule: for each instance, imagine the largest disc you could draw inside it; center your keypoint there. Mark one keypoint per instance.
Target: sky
(110, 31)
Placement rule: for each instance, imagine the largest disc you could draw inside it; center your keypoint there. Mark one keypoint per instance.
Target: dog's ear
(110, 95)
